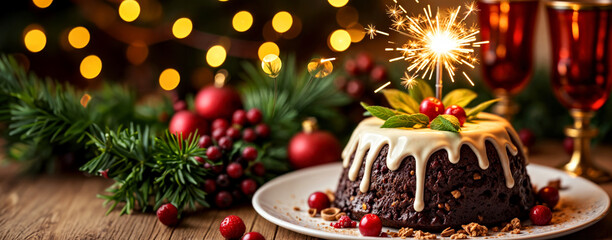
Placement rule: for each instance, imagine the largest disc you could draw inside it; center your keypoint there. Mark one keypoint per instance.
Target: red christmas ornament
(186, 123)
(312, 147)
(217, 102)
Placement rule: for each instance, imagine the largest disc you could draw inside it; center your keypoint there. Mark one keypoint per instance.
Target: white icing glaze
(421, 143)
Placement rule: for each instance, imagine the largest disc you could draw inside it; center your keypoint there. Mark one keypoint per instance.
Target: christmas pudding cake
(430, 179)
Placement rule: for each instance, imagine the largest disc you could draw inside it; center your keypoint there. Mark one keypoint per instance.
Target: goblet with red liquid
(508, 25)
(581, 35)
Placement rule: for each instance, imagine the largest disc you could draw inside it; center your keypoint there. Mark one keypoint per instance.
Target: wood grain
(66, 207)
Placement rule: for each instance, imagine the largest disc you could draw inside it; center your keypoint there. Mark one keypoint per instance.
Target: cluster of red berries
(541, 214)
(344, 222)
(432, 107)
(230, 184)
(361, 72)
(232, 227)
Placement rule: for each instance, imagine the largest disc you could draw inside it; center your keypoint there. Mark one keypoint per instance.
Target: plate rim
(328, 235)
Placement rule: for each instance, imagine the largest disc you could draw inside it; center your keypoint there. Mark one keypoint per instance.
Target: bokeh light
(137, 53)
(346, 16)
(182, 28)
(267, 48)
(216, 56)
(42, 3)
(78, 37)
(295, 30)
(282, 21)
(319, 67)
(356, 31)
(242, 21)
(85, 100)
(338, 3)
(271, 65)
(169, 79)
(91, 66)
(129, 10)
(339, 40)
(35, 40)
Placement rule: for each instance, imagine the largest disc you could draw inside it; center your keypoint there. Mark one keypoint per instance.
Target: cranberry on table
(233, 133)
(223, 180)
(351, 67)
(249, 135)
(258, 169)
(262, 130)
(540, 215)
(549, 196)
(379, 74)
(232, 227)
(370, 225)
(432, 107)
(205, 141)
(254, 116)
(568, 145)
(220, 123)
(213, 153)
(239, 117)
(249, 153)
(458, 112)
(527, 137)
(319, 201)
(167, 214)
(223, 199)
(253, 236)
(234, 170)
(225, 143)
(248, 186)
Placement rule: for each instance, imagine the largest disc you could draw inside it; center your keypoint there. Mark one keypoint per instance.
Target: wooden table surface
(66, 207)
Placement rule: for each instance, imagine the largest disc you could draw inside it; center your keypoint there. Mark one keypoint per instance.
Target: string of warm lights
(217, 48)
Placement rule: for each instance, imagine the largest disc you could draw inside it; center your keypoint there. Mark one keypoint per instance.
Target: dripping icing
(421, 143)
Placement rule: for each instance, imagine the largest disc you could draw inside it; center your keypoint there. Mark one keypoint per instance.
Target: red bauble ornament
(217, 102)
(432, 107)
(311, 147)
(185, 123)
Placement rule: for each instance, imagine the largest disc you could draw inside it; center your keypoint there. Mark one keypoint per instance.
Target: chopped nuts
(411, 172)
(394, 203)
(461, 231)
(516, 223)
(296, 208)
(405, 232)
(477, 176)
(447, 207)
(475, 229)
(331, 195)
(506, 228)
(352, 198)
(480, 218)
(459, 236)
(424, 235)
(329, 214)
(516, 231)
(495, 229)
(312, 212)
(447, 232)
(456, 193)
(364, 206)
(339, 215)
(440, 205)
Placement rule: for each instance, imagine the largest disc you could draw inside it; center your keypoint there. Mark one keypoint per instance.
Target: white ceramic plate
(582, 203)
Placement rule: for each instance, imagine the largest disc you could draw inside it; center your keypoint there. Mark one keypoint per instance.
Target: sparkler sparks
(435, 42)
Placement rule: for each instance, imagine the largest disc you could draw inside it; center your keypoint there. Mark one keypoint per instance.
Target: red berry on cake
(185, 123)
(248, 186)
(213, 102)
(167, 214)
(370, 225)
(253, 236)
(232, 227)
(234, 170)
(458, 112)
(549, 196)
(254, 116)
(249, 153)
(540, 215)
(432, 107)
(319, 201)
(223, 200)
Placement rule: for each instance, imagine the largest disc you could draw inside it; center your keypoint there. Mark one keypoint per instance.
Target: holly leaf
(401, 101)
(406, 120)
(472, 112)
(379, 112)
(421, 91)
(445, 122)
(461, 97)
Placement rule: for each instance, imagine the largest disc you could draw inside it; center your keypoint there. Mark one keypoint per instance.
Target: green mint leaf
(406, 120)
(461, 97)
(421, 91)
(472, 112)
(401, 101)
(445, 122)
(379, 112)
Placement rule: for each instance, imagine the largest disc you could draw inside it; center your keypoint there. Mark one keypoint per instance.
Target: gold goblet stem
(581, 162)
(505, 107)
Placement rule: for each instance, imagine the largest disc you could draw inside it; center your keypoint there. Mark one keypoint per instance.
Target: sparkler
(434, 42)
